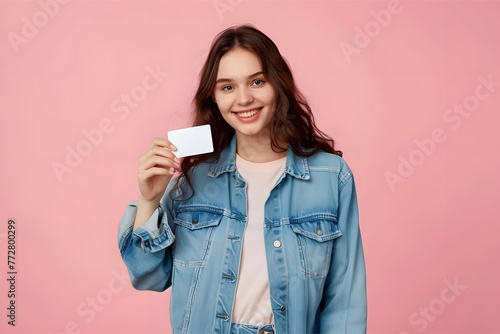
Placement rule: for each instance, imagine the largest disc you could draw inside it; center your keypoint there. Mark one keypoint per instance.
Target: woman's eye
(224, 88)
(259, 80)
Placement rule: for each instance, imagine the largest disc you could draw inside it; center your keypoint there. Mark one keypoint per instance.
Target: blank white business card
(191, 141)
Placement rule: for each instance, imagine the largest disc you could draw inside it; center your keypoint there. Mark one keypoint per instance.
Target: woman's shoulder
(322, 160)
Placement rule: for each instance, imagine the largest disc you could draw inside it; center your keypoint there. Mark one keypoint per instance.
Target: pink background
(435, 227)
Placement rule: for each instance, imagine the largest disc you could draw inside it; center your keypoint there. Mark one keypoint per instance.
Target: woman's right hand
(156, 168)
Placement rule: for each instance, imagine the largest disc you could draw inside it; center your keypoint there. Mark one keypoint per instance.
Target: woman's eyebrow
(229, 80)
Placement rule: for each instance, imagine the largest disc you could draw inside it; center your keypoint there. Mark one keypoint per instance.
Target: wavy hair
(293, 121)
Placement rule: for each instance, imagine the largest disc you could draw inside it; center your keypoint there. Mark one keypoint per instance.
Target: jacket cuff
(154, 235)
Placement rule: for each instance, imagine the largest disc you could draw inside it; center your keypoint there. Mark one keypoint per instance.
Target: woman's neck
(257, 148)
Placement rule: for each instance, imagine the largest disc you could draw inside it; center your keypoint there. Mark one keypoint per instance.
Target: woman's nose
(244, 96)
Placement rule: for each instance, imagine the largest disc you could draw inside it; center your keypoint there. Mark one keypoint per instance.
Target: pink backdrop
(410, 90)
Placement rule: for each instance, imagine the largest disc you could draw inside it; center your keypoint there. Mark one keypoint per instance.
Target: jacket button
(195, 221)
(319, 232)
(146, 243)
(277, 243)
(283, 308)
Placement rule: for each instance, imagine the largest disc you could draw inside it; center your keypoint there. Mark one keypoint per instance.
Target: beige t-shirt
(252, 304)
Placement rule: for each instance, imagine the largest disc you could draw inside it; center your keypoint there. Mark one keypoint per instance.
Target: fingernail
(173, 147)
(177, 160)
(171, 170)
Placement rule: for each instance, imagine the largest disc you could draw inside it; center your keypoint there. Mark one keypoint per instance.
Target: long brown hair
(293, 121)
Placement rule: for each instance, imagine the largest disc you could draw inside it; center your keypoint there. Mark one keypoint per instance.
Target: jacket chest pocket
(315, 240)
(193, 237)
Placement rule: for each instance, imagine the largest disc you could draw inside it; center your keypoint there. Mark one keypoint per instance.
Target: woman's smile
(248, 116)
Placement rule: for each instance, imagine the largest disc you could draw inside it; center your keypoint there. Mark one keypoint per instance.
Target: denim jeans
(249, 329)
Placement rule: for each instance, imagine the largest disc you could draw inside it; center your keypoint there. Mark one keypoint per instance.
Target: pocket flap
(319, 229)
(195, 220)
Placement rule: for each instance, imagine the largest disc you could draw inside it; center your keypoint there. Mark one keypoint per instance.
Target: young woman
(262, 235)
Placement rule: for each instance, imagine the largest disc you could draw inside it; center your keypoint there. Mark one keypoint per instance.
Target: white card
(191, 141)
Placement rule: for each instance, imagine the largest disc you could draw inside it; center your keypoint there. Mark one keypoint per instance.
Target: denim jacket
(314, 252)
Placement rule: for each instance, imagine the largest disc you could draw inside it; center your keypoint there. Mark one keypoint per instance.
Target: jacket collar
(295, 166)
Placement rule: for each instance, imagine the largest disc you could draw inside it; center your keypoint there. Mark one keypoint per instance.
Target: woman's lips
(248, 114)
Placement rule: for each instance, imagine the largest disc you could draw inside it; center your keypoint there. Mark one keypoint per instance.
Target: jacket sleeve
(146, 251)
(344, 306)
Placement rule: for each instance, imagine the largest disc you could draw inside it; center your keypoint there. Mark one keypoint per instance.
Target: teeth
(248, 113)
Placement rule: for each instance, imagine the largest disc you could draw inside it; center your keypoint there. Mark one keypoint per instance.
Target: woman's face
(245, 98)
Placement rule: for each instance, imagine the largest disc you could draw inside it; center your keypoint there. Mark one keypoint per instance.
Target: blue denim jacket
(314, 253)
